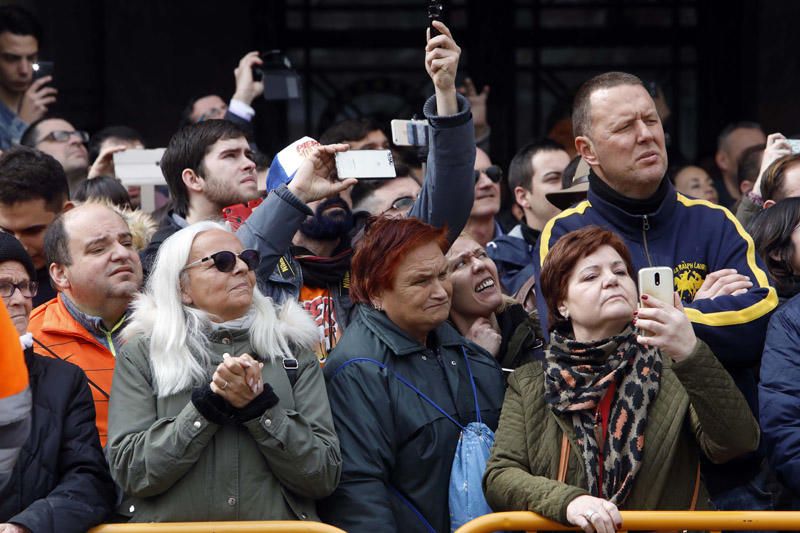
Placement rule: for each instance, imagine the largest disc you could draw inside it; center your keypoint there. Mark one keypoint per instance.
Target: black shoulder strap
(291, 366)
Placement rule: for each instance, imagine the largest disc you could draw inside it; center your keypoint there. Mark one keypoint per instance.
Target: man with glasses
(240, 110)
(482, 225)
(389, 197)
(97, 272)
(60, 139)
(61, 481)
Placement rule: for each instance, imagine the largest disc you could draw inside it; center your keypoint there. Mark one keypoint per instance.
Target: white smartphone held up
(410, 132)
(656, 282)
(365, 164)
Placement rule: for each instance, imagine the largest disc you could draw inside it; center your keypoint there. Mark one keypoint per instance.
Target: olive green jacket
(175, 465)
(698, 409)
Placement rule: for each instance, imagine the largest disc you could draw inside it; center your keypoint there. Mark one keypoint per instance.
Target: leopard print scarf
(577, 376)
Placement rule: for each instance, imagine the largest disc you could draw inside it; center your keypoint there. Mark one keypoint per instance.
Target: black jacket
(395, 445)
(61, 481)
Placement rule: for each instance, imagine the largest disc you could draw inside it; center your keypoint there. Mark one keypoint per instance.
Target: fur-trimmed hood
(294, 323)
(178, 339)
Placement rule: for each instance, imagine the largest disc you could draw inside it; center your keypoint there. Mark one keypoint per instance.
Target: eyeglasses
(494, 172)
(403, 203)
(26, 288)
(225, 260)
(213, 113)
(62, 136)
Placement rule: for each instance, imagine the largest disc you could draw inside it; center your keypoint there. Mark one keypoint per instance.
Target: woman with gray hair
(218, 409)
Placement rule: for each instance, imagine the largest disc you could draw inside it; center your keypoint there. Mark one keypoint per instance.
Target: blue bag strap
(474, 389)
(405, 382)
(411, 506)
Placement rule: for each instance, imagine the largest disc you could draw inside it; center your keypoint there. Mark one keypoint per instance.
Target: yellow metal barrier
(220, 527)
(647, 521)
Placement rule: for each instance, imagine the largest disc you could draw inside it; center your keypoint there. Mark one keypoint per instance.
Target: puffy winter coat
(61, 482)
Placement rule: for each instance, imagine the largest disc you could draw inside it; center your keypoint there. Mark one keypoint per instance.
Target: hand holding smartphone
(42, 69)
(365, 164)
(656, 282)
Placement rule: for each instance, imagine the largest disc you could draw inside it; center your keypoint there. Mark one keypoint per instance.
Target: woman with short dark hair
(776, 235)
(397, 448)
(623, 405)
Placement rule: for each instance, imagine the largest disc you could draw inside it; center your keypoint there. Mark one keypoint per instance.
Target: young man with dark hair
(208, 166)
(717, 273)
(33, 192)
(536, 170)
(22, 100)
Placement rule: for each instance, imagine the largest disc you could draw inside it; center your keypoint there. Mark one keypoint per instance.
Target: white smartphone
(139, 167)
(657, 283)
(365, 164)
(410, 132)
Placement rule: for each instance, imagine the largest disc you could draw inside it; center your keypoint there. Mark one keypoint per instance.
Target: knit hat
(11, 250)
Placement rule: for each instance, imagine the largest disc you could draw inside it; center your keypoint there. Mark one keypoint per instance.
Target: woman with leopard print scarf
(626, 400)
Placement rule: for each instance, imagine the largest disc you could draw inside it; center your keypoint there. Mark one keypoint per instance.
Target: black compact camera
(281, 82)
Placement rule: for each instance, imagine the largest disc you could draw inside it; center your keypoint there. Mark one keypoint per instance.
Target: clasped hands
(238, 380)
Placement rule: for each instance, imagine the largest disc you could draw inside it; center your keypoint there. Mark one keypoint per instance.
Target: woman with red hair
(397, 449)
(624, 405)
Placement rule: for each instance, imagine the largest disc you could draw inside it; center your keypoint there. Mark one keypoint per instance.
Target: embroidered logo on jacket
(689, 277)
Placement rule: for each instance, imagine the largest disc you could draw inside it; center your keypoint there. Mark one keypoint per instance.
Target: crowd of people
(321, 348)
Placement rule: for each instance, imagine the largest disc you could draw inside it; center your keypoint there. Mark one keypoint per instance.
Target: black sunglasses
(494, 172)
(225, 260)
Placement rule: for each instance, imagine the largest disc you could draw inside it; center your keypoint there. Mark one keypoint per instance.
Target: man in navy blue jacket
(716, 270)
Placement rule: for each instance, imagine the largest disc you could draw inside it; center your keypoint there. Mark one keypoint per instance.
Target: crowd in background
(317, 348)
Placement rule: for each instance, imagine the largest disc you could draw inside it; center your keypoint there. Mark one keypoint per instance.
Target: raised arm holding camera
(316, 269)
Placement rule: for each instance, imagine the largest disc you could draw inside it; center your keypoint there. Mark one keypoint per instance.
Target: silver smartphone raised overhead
(657, 283)
(410, 132)
(365, 164)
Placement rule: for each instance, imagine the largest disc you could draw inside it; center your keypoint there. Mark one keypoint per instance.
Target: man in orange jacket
(97, 272)
(15, 397)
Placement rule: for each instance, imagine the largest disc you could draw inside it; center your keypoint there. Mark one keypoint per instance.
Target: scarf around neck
(577, 376)
(323, 272)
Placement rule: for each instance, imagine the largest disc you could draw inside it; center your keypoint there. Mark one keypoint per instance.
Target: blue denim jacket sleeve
(11, 127)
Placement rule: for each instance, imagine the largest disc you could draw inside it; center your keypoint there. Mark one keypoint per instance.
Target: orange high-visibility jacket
(52, 325)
